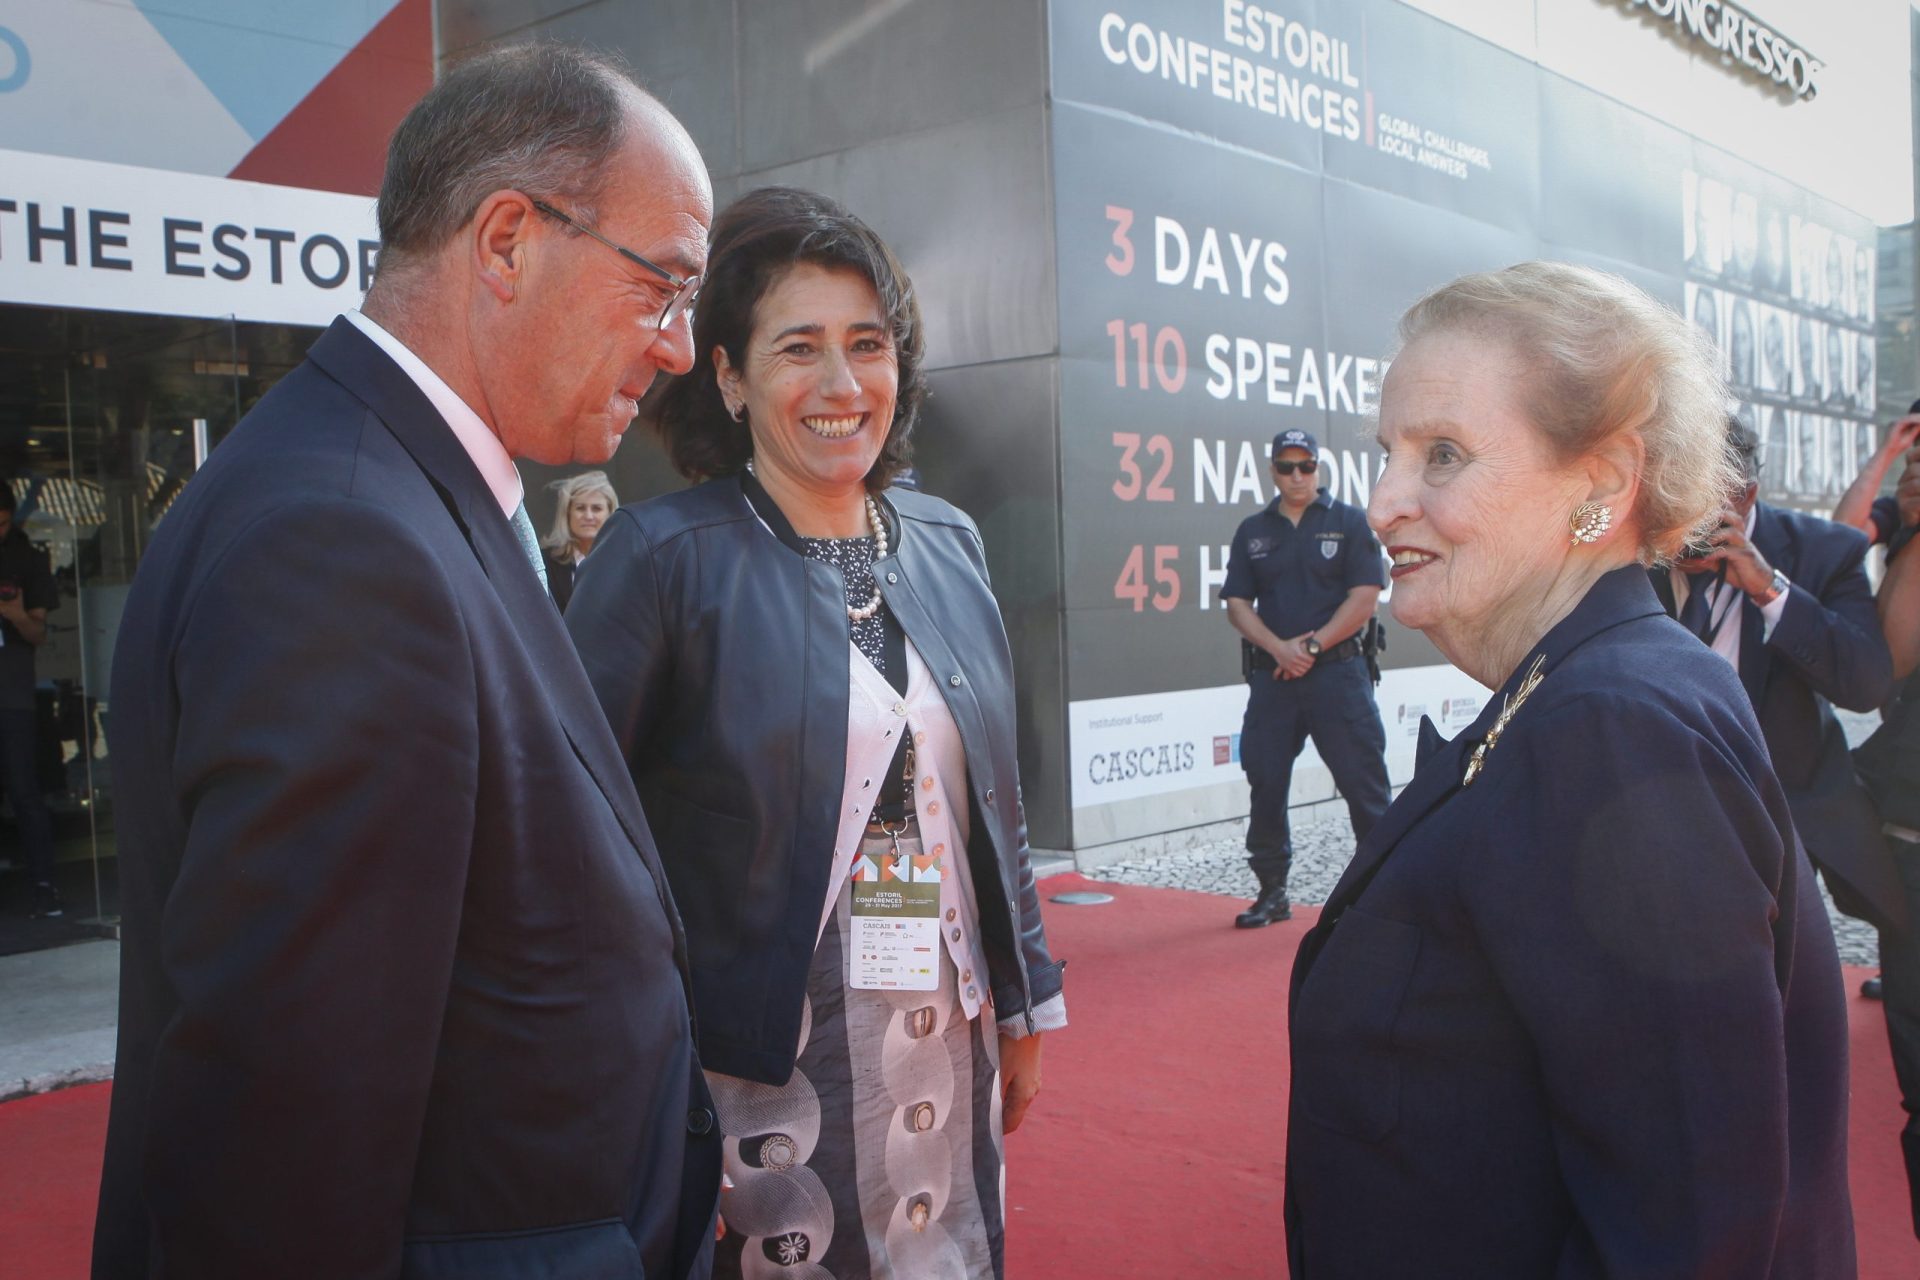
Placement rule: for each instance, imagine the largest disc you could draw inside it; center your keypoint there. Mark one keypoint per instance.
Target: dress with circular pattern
(881, 1156)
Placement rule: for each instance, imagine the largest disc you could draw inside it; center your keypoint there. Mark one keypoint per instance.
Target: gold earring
(1590, 522)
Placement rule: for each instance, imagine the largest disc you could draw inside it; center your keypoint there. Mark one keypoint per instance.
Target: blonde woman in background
(586, 500)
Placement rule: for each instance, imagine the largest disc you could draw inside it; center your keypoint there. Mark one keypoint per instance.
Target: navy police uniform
(1297, 576)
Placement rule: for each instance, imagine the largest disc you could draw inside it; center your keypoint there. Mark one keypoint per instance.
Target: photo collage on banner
(1788, 302)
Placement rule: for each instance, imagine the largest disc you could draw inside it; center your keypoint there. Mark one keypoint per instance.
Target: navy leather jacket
(720, 657)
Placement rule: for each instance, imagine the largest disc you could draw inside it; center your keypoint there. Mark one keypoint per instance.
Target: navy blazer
(1828, 649)
(1583, 1017)
(402, 989)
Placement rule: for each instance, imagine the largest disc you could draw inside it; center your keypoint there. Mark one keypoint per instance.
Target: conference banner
(1245, 204)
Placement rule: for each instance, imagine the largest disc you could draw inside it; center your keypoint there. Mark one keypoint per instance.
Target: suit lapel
(1661, 579)
(352, 360)
(1435, 778)
(1754, 663)
(1775, 543)
(531, 612)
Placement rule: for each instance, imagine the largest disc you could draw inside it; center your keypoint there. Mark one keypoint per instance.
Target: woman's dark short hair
(756, 240)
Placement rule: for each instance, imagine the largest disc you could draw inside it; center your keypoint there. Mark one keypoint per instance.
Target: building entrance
(104, 417)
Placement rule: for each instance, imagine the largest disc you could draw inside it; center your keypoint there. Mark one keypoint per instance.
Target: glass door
(104, 418)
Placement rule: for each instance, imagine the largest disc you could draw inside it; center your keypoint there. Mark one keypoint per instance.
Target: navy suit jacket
(1583, 1017)
(1828, 649)
(403, 992)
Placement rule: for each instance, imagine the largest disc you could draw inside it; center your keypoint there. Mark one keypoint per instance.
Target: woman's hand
(1019, 1078)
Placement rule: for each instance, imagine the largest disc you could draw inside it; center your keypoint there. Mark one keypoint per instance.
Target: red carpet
(49, 1173)
(1157, 1144)
(1155, 1149)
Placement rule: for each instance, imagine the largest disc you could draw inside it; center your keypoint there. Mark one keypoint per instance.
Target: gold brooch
(1507, 709)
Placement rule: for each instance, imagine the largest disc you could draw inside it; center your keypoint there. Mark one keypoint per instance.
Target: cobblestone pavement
(1321, 851)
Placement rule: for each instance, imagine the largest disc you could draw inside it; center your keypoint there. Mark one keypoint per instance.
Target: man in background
(26, 594)
(1302, 579)
(1784, 598)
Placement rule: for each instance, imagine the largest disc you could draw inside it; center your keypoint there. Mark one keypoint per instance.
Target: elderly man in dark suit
(403, 990)
(1784, 598)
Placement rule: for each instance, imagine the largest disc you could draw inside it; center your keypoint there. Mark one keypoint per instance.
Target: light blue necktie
(523, 530)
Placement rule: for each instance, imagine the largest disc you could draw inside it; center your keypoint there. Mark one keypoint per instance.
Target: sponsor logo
(1152, 761)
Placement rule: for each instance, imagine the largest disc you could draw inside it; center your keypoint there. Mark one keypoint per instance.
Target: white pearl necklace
(879, 553)
(879, 527)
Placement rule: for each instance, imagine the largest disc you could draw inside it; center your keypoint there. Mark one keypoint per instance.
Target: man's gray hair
(539, 118)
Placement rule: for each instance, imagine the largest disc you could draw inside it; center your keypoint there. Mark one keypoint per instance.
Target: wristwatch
(1775, 589)
(1313, 647)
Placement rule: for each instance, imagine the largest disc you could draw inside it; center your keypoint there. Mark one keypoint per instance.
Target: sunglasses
(1288, 468)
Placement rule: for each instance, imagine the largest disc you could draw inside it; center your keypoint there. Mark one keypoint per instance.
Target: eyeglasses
(1306, 468)
(685, 288)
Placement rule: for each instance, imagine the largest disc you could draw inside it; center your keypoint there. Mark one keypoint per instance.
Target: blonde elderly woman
(585, 502)
(1574, 1009)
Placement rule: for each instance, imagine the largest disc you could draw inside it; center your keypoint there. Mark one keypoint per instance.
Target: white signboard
(1150, 744)
(113, 237)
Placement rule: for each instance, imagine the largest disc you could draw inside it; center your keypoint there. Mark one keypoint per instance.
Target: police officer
(1301, 585)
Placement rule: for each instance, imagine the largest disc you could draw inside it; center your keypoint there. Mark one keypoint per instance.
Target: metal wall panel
(1622, 210)
(986, 443)
(464, 23)
(965, 208)
(828, 75)
(682, 50)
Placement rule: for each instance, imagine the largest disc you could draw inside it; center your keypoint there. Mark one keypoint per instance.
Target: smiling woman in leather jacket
(811, 679)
